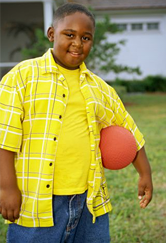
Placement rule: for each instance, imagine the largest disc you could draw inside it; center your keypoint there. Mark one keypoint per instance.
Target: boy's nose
(77, 42)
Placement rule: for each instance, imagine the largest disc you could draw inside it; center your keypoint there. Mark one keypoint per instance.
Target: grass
(129, 223)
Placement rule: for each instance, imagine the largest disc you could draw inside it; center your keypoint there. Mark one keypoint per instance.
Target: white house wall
(143, 48)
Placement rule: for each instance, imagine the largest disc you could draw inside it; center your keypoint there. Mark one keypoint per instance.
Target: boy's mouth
(75, 54)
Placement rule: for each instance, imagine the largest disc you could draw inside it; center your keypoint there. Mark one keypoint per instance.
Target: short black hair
(70, 8)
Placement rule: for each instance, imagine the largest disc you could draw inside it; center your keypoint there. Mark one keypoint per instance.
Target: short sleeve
(123, 118)
(11, 112)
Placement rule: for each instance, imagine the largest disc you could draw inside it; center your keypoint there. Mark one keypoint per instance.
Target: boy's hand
(145, 185)
(10, 195)
(10, 203)
(145, 190)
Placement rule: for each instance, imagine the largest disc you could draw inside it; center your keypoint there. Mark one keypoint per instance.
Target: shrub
(149, 84)
(132, 85)
(155, 83)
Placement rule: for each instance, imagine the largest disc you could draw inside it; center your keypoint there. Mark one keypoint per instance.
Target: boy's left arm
(145, 186)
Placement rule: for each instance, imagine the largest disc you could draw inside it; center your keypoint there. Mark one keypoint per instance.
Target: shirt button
(64, 95)
(50, 164)
(48, 186)
(60, 117)
(54, 138)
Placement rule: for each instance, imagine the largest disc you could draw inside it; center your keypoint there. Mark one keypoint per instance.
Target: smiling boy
(52, 109)
(73, 39)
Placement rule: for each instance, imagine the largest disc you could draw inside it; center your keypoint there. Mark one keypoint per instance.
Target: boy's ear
(50, 34)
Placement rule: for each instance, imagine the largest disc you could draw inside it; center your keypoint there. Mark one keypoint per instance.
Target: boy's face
(73, 39)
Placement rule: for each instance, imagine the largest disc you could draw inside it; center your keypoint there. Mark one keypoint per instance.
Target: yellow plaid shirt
(33, 98)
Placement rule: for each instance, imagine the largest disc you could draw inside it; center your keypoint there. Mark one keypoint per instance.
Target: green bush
(155, 83)
(38, 46)
(149, 84)
(132, 85)
(136, 86)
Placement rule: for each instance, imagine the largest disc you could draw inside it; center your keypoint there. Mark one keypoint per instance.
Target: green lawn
(129, 223)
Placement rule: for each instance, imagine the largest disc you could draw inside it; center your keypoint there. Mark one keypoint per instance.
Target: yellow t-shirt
(73, 152)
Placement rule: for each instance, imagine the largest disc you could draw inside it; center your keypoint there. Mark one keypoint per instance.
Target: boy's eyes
(84, 38)
(70, 35)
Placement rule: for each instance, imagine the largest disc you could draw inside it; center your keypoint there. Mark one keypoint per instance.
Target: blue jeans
(73, 224)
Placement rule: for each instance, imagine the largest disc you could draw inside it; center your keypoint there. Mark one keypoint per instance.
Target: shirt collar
(48, 63)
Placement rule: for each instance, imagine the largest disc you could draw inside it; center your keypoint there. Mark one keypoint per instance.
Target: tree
(38, 45)
(103, 54)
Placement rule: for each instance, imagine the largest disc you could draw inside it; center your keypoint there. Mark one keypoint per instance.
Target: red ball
(118, 147)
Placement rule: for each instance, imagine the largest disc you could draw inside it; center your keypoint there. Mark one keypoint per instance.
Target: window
(152, 26)
(122, 27)
(137, 26)
(142, 27)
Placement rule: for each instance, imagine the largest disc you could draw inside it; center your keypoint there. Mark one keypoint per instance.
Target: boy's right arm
(10, 195)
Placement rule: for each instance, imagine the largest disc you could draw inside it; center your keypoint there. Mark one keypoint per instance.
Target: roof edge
(129, 8)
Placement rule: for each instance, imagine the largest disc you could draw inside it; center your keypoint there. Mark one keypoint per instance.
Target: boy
(52, 109)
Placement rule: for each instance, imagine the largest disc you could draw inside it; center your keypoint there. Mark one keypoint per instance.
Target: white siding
(143, 48)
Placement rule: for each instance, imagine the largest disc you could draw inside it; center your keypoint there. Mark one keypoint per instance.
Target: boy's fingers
(10, 215)
(4, 213)
(148, 195)
(144, 201)
(141, 192)
(16, 214)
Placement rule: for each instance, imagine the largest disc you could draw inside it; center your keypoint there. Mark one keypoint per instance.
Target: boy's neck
(61, 68)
